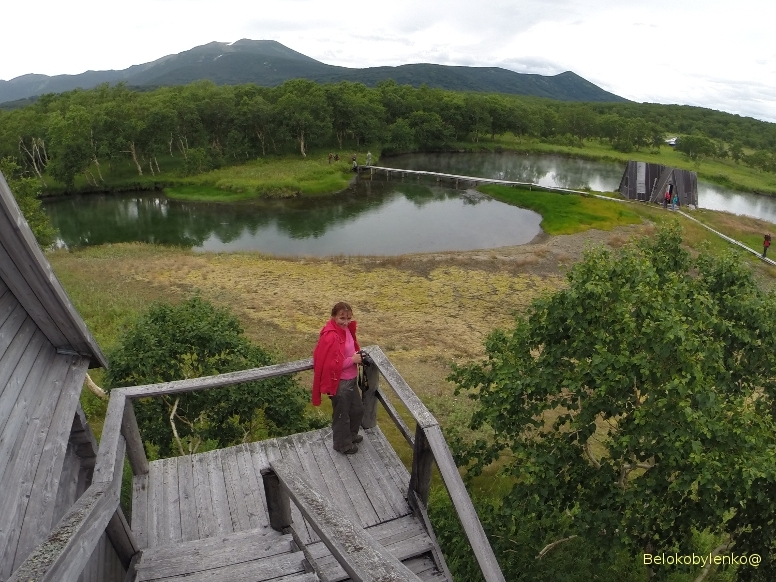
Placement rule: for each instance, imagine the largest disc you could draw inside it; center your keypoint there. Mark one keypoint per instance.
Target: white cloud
(705, 52)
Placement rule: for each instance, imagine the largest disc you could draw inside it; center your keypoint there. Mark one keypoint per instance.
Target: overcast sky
(712, 53)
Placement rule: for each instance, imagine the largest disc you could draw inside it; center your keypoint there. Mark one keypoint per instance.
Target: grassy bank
(566, 213)
(723, 172)
(266, 178)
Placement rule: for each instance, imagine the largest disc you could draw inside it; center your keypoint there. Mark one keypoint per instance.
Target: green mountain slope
(269, 63)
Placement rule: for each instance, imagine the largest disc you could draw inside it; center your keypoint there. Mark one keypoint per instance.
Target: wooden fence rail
(121, 437)
(364, 559)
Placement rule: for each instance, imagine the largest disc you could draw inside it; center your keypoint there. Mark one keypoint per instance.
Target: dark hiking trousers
(347, 412)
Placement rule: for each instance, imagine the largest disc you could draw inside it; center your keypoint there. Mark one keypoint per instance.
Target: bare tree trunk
(301, 144)
(260, 135)
(151, 166)
(156, 163)
(30, 155)
(97, 165)
(94, 389)
(133, 151)
(170, 145)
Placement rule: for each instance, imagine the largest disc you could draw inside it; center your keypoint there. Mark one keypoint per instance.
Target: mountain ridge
(270, 63)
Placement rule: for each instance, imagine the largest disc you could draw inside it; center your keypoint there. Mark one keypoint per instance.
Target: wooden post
(370, 397)
(422, 463)
(278, 502)
(131, 433)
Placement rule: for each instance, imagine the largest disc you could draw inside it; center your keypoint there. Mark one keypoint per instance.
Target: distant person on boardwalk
(368, 158)
(335, 372)
(766, 244)
(336, 157)
(331, 155)
(355, 163)
(666, 199)
(675, 201)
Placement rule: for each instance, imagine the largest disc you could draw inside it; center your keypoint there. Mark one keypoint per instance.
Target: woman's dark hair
(341, 306)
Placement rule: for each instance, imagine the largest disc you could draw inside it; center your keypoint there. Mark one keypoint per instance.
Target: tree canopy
(193, 339)
(73, 134)
(635, 408)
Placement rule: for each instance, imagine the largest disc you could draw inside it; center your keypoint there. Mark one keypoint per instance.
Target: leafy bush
(190, 340)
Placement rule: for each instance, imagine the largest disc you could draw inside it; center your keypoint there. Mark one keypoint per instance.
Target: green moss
(566, 213)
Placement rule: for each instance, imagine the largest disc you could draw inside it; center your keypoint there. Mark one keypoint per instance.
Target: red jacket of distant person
(328, 359)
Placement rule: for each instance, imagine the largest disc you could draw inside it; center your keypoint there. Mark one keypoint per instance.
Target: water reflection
(374, 218)
(574, 174)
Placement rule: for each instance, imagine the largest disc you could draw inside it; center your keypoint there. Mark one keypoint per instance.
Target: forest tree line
(207, 126)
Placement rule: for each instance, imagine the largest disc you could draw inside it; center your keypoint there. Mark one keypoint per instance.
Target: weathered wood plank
(397, 419)
(436, 551)
(415, 406)
(122, 539)
(15, 366)
(369, 476)
(273, 451)
(363, 558)
(332, 480)
(20, 284)
(24, 446)
(155, 508)
(140, 509)
(219, 380)
(42, 494)
(422, 466)
(394, 465)
(253, 487)
(260, 570)
(135, 450)
(188, 502)
(463, 506)
(288, 450)
(238, 508)
(111, 431)
(218, 493)
(218, 552)
(12, 315)
(351, 485)
(172, 505)
(383, 481)
(369, 397)
(30, 271)
(68, 483)
(65, 553)
(206, 520)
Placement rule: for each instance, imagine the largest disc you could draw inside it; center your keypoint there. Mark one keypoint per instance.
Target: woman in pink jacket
(335, 372)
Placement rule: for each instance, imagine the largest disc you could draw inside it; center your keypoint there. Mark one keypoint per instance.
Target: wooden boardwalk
(195, 507)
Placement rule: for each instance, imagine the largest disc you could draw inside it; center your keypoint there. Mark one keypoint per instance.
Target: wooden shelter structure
(648, 182)
(287, 509)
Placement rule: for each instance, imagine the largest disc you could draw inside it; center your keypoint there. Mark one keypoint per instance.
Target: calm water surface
(373, 219)
(562, 172)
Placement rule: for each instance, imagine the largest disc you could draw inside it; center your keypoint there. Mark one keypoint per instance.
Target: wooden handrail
(430, 445)
(363, 558)
(66, 551)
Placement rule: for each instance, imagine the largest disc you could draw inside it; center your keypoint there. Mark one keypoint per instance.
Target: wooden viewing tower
(287, 509)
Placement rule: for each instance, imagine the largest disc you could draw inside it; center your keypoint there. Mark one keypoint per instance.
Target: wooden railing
(63, 556)
(364, 559)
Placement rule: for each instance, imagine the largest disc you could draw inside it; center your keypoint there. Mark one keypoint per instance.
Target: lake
(373, 218)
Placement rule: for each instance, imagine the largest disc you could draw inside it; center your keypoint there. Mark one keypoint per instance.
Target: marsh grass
(566, 213)
(280, 177)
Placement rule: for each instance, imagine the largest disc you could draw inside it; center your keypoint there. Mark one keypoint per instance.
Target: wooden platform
(194, 507)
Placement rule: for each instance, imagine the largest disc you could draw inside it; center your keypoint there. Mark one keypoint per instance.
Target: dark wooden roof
(31, 279)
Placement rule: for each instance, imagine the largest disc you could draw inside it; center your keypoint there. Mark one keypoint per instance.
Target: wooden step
(255, 555)
(404, 537)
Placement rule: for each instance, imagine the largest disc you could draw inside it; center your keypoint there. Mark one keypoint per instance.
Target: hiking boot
(351, 451)
(357, 438)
